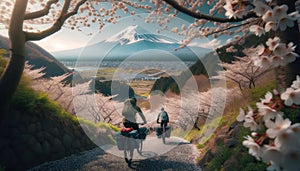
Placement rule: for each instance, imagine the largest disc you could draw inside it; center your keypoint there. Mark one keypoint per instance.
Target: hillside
(37, 130)
(206, 65)
(106, 88)
(224, 150)
(39, 57)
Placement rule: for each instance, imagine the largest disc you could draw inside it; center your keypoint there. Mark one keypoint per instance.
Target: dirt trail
(176, 154)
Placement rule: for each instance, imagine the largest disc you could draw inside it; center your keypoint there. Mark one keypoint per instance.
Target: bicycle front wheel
(140, 146)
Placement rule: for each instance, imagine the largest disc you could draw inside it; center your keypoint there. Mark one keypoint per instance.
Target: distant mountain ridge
(131, 41)
(39, 57)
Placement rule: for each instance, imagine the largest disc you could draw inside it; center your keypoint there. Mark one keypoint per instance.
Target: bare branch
(184, 10)
(228, 28)
(65, 7)
(40, 13)
(58, 23)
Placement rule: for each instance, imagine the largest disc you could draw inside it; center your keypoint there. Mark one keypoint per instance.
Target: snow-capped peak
(134, 33)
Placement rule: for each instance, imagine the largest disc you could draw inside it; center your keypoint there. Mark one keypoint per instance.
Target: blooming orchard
(79, 100)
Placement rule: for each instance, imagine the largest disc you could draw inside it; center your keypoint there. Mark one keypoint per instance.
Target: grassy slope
(246, 162)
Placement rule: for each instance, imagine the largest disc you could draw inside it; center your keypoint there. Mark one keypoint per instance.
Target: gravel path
(181, 156)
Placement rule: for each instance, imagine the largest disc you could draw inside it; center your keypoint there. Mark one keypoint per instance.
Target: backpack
(164, 116)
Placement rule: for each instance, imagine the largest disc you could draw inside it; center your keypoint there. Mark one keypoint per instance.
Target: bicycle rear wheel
(163, 135)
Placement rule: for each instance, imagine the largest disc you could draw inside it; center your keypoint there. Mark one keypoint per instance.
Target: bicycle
(131, 140)
(162, 132)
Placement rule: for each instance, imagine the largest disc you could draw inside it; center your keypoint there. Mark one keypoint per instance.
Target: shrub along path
(180, 156)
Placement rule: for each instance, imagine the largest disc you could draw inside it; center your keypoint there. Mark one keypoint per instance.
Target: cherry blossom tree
(95, 106)
(101, 110)
(243, 72)
(241, 18)
(209, 106)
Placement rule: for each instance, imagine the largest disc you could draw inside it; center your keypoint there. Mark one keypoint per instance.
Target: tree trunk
(287, 74)
(11, 76)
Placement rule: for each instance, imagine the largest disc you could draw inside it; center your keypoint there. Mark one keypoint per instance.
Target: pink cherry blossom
(262, 61)
(296, 83)
(274, 128)
(234, 9)
(280, 12)
(291, 159)
(294, 15)
(254, 148)
(291, 96)
(257, 30)
(290, 57)
(270, 25)
(272, 42)
(268, 16)
(174, 30)
(287, 139)
(250, 123)
(267, 112)
(268, 98)
(285, 22)
(241, 117)
(260, 8)
(231, 49)
(272, 154)
(280, 49)
(277, 61)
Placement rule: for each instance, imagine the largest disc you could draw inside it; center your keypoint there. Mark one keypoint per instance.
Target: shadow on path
(72, 162)
(160, 163)
(180, 158)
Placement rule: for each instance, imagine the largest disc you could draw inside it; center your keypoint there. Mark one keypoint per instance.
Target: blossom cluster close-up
(274, 138)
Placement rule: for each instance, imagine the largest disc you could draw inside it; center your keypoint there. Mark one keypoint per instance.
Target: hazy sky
(70, 39)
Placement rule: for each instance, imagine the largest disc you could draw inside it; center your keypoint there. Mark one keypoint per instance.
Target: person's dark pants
(163, 124)
(132, 125)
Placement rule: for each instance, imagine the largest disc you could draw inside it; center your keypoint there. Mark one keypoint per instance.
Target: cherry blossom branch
(40, 13)
(133, 5)
(295, 107)
(58, 23)
(184, 10)
(229, 28)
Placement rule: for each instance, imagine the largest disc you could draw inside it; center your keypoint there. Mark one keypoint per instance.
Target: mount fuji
(134, 41)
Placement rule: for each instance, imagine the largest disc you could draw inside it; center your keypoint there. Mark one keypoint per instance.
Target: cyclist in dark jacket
(163, 118)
